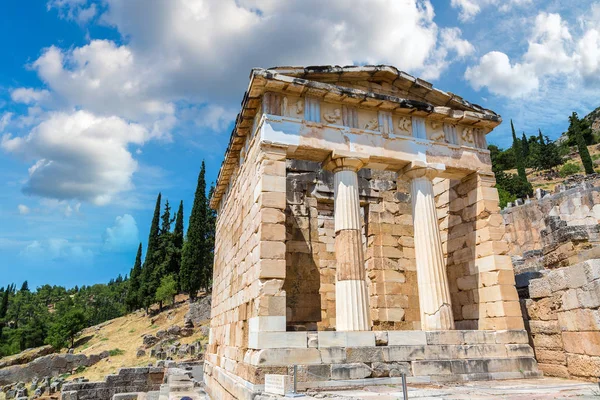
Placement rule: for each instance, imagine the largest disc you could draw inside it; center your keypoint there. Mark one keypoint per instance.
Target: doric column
(434, 293)
(351, 301)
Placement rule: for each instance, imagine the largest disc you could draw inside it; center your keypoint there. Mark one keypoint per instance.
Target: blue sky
(105, 103)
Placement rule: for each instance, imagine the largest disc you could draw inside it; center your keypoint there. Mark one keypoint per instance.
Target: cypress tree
(575, 130)
(524, 146)
(149, 284)
(518, 153)
(193, 259)
(24, 287)
(133, 294)
(178, 234)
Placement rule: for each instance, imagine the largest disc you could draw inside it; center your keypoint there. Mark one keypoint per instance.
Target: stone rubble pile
(166, 346)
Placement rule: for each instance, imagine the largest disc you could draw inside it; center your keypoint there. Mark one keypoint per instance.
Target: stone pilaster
(434, 293)
(352, 301)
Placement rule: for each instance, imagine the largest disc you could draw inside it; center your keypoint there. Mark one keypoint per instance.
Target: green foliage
(518, 151)
(580, 129)
(513, 184)
(65, 328)
(167, 290)
(133, 299)
(43, 316)
(505, 197)
(197, 255)
(116, 352)
(149, 281)
(569, 169)
(546, 154)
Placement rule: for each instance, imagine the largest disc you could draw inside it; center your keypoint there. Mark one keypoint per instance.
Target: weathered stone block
(350, 371)
(584, 366)
(406, 338)
(559, 371)
(512, 337)
(579, 320)
(364, 354)
(539, 288)
(424, 368)
(403, 353)
(547, 327)
(582, 342)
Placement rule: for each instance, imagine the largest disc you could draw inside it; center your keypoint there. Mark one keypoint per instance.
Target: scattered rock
(140, 352)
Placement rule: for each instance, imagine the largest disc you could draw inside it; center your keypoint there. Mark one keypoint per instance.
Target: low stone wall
(127, 380)
(564, 319)
(555, 229)
(50, 365)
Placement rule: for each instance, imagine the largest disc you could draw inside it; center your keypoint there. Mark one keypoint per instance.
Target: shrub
(116, 352)
(569, 169)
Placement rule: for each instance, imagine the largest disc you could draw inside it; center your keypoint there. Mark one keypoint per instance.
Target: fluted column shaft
(352, 301)
(434, 293)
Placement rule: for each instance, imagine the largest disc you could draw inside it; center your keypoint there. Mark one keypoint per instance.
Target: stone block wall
(310, 256)
(480, 273)
(564, 320)
(249, 268)
(555, 230)
(127, 380)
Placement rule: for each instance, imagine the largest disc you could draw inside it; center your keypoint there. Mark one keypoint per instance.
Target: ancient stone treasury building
(359, 237)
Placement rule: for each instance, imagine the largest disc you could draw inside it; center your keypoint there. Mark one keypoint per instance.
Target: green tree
(166, 291)
(133, 292)
(195, 255)
(24, 287)
(518, 151)
(64, 331)
(524, 146)
(148, 281)
(578, 129)
(178, 239)
(546, 154)
(4, 302)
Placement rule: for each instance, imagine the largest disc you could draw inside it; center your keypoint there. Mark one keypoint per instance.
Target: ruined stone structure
(359, 235)
(554, 240)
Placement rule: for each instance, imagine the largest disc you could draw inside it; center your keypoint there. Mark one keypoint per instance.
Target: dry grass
(126, 334)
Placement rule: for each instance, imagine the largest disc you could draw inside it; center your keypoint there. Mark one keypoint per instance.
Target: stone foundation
(346, 359)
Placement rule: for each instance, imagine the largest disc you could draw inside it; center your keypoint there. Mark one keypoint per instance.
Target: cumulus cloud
(23, 209)
(122, 236)
(105, 79)
(495, 71)
(5, 120)
(78, 156)
(57, 250)
(552, 52)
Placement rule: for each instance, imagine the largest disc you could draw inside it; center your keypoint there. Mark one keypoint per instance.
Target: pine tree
(24, 287)
(577, 129)
(133, 294)
(193, 260)
(148, 281)
(518, 150)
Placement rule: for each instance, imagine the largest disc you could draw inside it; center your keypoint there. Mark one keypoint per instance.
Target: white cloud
(57, 250)
(496, 73)
(79, 156)
(105, 79)
(468, 9)
(5, 120)
(122, 236)
(75, 10)
(552, 52)
(23, 209)
(29, 95)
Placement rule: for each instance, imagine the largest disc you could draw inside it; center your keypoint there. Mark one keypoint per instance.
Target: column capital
(338, 162)
(420, 169)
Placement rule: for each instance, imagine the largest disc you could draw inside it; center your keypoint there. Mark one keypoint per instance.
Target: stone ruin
(359, 236)
(555, 244)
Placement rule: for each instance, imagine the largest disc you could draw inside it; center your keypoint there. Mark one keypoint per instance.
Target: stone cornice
(288, 81)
